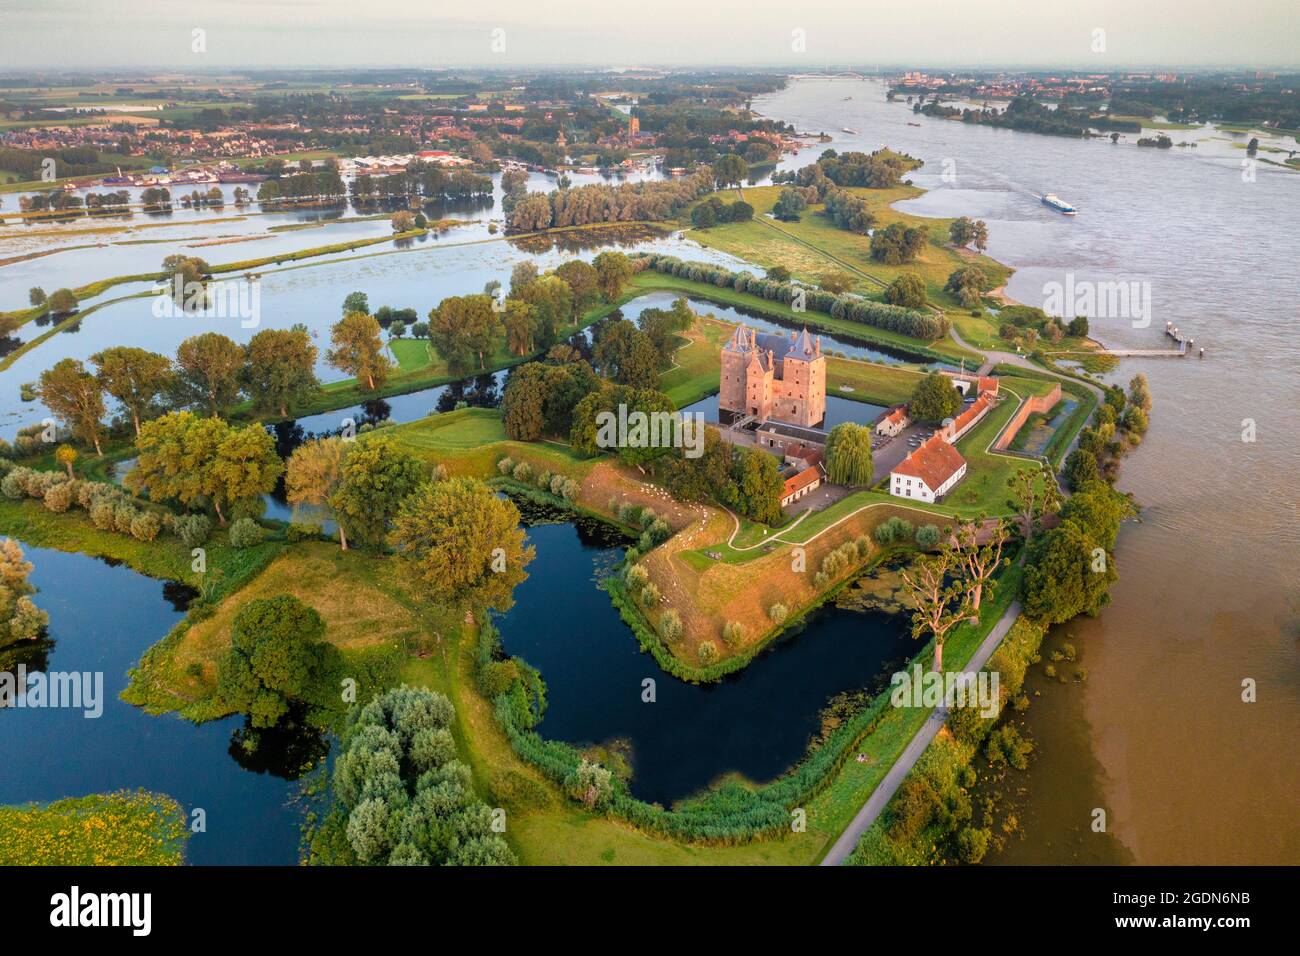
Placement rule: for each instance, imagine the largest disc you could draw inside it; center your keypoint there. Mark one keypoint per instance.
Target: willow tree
(314, 475)
(848, 454)
(938, 606)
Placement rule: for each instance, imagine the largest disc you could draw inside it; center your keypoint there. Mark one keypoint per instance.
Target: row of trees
(626, 202)
(852, 308)
(466, 330)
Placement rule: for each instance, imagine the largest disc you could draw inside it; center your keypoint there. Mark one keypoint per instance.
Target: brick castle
(774, 378)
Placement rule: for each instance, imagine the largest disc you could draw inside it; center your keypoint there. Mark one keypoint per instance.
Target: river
(1209, 588)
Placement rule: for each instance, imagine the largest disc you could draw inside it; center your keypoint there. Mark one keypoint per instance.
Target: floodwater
(1209, 588)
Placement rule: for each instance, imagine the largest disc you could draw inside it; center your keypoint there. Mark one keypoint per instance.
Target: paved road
(887, 787)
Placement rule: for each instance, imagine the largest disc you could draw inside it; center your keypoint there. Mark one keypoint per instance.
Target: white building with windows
(928, 473)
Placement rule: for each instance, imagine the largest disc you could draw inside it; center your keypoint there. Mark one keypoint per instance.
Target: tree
(1067, 574)
(848, 454)
(613, 270)
(76, 399)
(459, 542)
(1139, 393)
(1078, 327)
(966, 285)
(758, 484)
(358, 350)
(356, 302)
(62, 302)
(980, 561)
(133, 376)
(837, 282)
(464, 328)
(551, 300)
(209, 367)
(591, 436)
(275, 656)
(730, 170)
(402, 796)
(908, 290)
(1081, 467)
(934, 399)
(938, 606)
(314, 474)
(36, 296)
(789, 204)
(626, 355)
(1035, 495)
(280, 371)
(376, 478)
(245, 468)
(65, 455)
(520, 326)
(20, 618)
(964, 231)
(203, 460)
(523, 273)
(584, 281)
(703, 216)
(897, 244)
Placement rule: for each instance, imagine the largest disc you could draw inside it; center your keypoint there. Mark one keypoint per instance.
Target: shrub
(707, 652)
(972, 844)
(14, 485)
(778, 613)
(629, 513)
(557, 485)
(650, 595)
(636, 577)
(570, 490)
(670, 625)
(302, 532)
(123, 515)
(863, 544)
(523, 471)
(506, 465)
(101, 515)
(894, 529)
(146, 526)
(733, 633)
(194, 529)
(592, 784)
(246, 533)
(59, 498)
(927, 536)
(543, 480)
(820, 579)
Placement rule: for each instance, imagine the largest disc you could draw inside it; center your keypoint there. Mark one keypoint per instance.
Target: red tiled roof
(897, 415)
(934, 462)
(801, 480)
(971, 412)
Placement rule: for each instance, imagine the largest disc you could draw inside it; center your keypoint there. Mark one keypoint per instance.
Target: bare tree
(938, 606)
(980, 561)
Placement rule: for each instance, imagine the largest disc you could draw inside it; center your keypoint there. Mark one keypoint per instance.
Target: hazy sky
(148, 34)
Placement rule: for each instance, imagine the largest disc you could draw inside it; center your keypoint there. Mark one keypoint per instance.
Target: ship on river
(1059, 204)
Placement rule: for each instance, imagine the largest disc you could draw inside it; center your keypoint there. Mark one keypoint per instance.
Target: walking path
(887, 787)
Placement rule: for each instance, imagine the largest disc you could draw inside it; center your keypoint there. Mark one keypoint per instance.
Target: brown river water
(1209, 591)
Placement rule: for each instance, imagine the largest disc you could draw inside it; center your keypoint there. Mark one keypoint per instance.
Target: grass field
(814, 246)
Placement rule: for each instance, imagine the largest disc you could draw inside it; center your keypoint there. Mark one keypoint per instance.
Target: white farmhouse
(929, 472)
